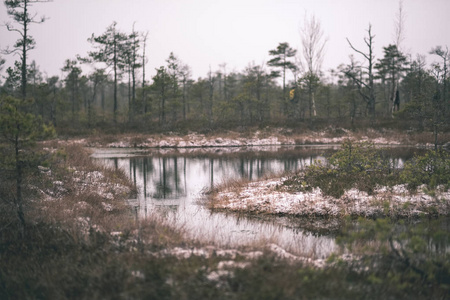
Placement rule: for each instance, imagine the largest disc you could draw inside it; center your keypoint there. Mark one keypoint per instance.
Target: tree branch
(9, 27)
(362, 53)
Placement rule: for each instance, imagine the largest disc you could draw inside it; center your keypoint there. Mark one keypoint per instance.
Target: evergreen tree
(19, 129)
(282, 59)
(109, 47)
(161, 85)
(174, 72)
(132, 62)
(419, 87)
(390, 69)
(19, 11)
(72, 81)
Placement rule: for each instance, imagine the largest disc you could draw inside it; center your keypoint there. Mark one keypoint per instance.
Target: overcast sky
(206, 33)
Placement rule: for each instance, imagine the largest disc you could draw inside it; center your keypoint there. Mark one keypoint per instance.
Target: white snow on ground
(264, 197)
(224, 267)
(199, 140)
(87, 180)
(193, 141)
(210, 251)
(196, 140)
(264, 137)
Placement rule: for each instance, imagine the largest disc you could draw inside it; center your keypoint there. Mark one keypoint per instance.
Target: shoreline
(394, 202)
(266, 197)
(265, 137)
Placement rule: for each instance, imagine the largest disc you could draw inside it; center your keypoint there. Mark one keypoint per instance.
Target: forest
(110, 85)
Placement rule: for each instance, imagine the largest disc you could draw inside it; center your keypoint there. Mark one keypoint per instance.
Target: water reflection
(172, 184)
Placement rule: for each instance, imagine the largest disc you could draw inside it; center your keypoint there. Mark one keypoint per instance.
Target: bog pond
(172, 183)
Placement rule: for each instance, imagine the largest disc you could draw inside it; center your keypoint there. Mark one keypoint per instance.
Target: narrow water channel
(172, 183)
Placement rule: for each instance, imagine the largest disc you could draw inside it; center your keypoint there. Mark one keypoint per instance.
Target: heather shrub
(432, 169)
(356, 165)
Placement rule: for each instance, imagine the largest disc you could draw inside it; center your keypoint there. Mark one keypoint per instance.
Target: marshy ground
(84, 242)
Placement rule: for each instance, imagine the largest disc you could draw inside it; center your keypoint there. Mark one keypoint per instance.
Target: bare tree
(144, 61)
(399, 34)
(399, 37)
(313, 51)
(365, 84)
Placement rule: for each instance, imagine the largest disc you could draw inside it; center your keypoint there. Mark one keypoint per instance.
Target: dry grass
(82, 196)
(232, 185)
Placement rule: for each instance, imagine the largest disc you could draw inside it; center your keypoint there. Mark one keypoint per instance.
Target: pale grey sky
(204, 33)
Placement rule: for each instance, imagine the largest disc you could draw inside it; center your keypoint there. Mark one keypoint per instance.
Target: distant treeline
(116, 91)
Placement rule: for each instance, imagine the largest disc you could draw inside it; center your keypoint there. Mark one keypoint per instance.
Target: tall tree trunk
(129, 96)
(144, 100)
(24, 49)
(115, 81)
(19, 178)
(184, 99)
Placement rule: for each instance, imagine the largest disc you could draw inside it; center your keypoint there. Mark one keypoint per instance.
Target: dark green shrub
(407, 261)
(432, 169)
(356, 165)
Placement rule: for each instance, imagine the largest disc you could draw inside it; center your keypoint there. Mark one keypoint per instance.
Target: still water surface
(172, 183)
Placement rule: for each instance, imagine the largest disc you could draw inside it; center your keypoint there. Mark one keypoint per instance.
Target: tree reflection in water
(173, 184)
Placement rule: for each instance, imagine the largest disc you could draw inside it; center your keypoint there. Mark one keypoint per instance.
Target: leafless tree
(313, 51)
(366, 84)
(399, 34)
(144, 61)
(399, 37)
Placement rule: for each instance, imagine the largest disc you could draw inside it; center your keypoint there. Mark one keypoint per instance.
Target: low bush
(364, 167)
(356, 165)
(398, 258)
(432, 169)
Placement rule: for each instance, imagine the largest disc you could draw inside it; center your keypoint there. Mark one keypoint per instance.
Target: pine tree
(19, 11)
(390, 69)
(19, 129)
(281, 60)
(110, 46)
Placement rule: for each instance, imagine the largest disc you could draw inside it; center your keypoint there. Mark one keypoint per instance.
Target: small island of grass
(358, 180)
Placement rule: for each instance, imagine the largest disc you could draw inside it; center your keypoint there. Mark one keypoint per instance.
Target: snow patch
(264, 197)
(107, 206)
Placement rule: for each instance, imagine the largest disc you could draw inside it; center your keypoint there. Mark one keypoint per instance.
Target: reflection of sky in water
(173, 186)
